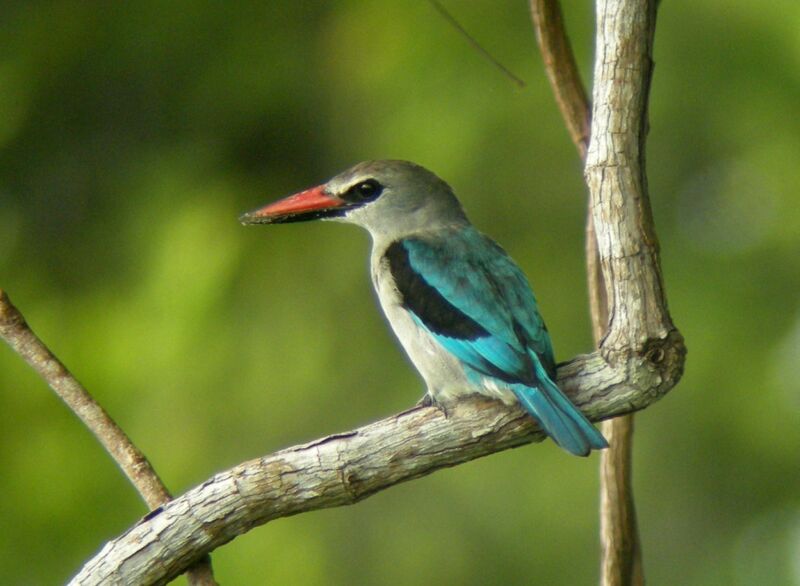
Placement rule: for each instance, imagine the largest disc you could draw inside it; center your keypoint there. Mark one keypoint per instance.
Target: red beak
(311, 204)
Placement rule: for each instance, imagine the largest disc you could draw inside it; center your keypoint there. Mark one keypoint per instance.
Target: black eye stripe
(363, 191)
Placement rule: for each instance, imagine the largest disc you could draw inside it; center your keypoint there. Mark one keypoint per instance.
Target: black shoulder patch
(436, 312)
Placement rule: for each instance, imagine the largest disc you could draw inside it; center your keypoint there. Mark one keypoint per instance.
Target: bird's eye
(365, 191)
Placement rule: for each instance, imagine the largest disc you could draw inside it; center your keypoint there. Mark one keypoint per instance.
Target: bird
(460, 306)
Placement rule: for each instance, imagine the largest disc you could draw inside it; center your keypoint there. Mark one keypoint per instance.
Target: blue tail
(559, 418)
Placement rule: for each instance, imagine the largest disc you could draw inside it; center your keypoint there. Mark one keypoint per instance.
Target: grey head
(389, 198)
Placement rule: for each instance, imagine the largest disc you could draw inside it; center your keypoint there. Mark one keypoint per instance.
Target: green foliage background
(133, 134)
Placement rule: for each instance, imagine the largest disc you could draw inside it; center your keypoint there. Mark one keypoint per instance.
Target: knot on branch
(663, 359)
(645, 371)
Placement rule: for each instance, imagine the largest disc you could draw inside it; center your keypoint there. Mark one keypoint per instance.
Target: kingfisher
(460, 306)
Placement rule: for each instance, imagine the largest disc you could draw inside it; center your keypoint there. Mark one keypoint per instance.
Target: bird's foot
(426, 401)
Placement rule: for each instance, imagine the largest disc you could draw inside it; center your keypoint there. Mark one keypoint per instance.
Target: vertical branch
(621, 563)
(619, 532)
(615, 173)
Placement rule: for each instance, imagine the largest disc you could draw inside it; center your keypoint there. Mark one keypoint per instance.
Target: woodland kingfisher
(462, 309)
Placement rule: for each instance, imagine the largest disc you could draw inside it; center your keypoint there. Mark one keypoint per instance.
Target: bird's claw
(426, 401)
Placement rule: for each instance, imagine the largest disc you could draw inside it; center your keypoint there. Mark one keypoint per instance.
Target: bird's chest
(438, 367)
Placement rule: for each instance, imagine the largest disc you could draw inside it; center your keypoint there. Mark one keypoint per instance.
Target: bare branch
(16, 332)
(615, 173)
(619, 533)
(559, 64)
(345, 468)
(622, 558)
(628, 253)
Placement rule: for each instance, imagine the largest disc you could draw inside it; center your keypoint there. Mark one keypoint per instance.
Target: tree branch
(619, 532)
(345, 468)
(618, 528)
(16, 332)
(616, 175)
(135, 465)
(561, 70)
(621, 564)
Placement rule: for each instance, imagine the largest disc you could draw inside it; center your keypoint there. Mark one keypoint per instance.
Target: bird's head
(388, 198)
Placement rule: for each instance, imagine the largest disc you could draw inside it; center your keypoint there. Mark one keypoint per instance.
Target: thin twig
(134, 464)
(622, 556)
(562, 71)
(621, 563)
(475, 44)
(16, 332)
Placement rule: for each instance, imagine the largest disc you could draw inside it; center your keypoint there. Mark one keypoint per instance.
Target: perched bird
(462, 309)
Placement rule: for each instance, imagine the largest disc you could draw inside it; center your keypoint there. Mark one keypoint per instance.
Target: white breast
(442, 372)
